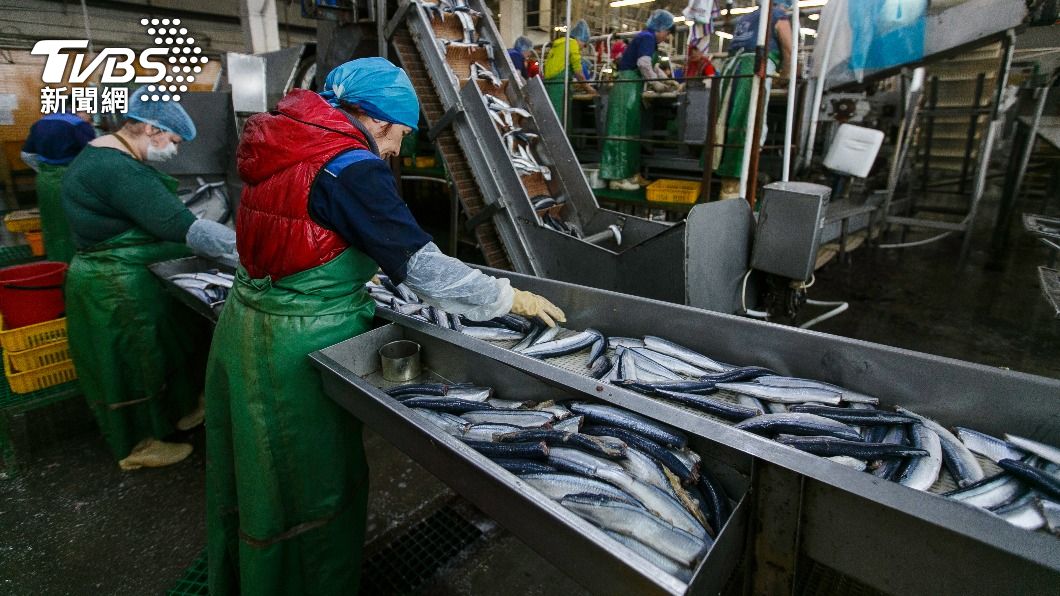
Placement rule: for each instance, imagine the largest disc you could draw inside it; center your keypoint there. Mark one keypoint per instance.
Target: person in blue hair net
(139, 355)
(320, 215)
(620, 160)
(520, 53)
(555, 63)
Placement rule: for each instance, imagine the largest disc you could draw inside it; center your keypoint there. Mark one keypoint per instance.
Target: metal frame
(883, 534)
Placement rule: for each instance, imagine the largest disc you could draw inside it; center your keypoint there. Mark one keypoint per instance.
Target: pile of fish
(210, 286)
(820, 418)
(633, 477)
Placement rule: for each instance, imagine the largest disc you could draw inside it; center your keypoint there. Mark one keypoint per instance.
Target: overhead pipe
(794, 68)
(757, 84)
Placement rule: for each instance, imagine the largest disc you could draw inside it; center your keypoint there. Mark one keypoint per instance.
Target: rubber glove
(210, 239)
(529, 304)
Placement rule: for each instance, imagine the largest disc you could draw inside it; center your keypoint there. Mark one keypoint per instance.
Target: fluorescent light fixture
(679, 20)
(664, 59)
(744, 10)
(723, 34)
(814, 17)
(812, 3)
(561, 29)
(808, 31)
(621, 3)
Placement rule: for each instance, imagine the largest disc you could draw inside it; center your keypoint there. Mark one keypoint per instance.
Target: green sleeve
(139, 194)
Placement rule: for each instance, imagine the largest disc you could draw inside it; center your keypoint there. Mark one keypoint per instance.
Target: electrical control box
(789, 229)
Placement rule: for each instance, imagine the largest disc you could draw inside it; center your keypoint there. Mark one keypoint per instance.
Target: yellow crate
(425, 162)
(32, 336)
(35, 358)
(41, 378)
(673, 191)
(25, 220)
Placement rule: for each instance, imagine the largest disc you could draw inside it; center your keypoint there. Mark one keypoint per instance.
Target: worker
(53, 142)
(134, 347)
(560, 64)
(735, 93)
(520, 53)
(699, 64)
(620, 159)
(319, 215)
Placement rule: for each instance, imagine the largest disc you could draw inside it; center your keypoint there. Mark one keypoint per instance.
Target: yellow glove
(528, 304)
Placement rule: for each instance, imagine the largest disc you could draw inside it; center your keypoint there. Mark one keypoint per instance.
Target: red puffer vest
(279, 157)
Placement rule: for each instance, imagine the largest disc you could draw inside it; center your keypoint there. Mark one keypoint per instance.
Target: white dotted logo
(185, 59)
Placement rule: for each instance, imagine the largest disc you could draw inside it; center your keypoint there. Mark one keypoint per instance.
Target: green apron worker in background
(620, 158)
(138, 353)
(53, 142)
(735, 93)
(286, 476)
(554, 66)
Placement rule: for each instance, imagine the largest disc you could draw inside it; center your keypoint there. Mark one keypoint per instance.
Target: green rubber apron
(58, 242)
(620, 159)
(554, 87)
(139, 354)
(734, 109)
(287, 481)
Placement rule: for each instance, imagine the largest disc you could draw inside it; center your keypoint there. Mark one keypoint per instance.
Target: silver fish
(562, 347)
(628, 520)
(692, 357)
(921, 472)
(557, 486)
(656, 431)
(492, 333)
(558, 412)
(990, 493)
(651, 367)
(642, 467)
(666, 564)
(624, 342)
(798, 424)
(488, 432)
(569, 425)
(452, 425)
(520, 418)
(1046, 452)
(1023, 513)
(669, 362)
(990, 447)
(788, 395)
(479, 394)
(1050, 513)
(773, 407)
(848, 395)
(509, 404)
(547, 334)
(961, 463)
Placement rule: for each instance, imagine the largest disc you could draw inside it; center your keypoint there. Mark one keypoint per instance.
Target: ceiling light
(807, 31)
(621, 3)
(814, 17)
(723, 34)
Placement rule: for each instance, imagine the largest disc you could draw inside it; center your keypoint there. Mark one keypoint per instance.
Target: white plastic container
(854, 150)
(592, 176)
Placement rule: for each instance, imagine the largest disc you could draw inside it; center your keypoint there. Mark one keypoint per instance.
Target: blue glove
(210, 239)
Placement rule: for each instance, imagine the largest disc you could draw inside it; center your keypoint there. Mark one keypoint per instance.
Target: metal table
(166, 269)
(883, 534)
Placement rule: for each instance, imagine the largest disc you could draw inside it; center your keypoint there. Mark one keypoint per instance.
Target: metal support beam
(396, 20)
(485, 215)
(777, 505)
(261, 30)
(444, 122)
(380, 28)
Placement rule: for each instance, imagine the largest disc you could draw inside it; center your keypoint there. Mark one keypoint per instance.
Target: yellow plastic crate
(426, 162)
(41, 378)
(32, 336)
(25, 220)
(35, 358)
(673, 191)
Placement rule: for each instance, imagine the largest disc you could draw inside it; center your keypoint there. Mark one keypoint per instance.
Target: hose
(840, 307)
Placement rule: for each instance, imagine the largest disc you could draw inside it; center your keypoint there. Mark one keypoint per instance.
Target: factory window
(533, 13)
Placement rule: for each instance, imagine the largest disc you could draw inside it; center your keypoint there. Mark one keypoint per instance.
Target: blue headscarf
(166, 115)
(660, 20)
(523, 44)
(580, 31)
(376, 86)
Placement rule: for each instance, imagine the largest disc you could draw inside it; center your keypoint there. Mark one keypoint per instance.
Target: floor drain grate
(815, 579)
(194, 581)
(412, 558)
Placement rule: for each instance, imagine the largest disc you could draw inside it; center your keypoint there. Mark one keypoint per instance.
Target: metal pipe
(794, 68)
(566, 69)
(818, 85)
(613, 232)
(708, 150)
(765, 10)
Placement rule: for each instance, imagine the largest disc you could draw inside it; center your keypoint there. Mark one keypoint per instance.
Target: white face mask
(155, 154)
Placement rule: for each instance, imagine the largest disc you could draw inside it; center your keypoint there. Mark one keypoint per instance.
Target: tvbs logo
(173, 58)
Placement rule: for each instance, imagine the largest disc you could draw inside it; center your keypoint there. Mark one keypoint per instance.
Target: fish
(558, 485)
(454, 322)
(717, 407)
(562, 347)
(798, 424)
(894, 435)
(990, 493)
(921, 472)
(492, 333)
(516, 322)
(642, 467)
(603, 446)
(1036, 478)
(547, 335)
(452, 425)
(558, 411)
(848, 395)
(509, 404)
(855, 417)
(1046, 452)
(685, 498)
(487, 432)
(775, 408)
(624, 342)
(651, 367)
(479, 394)
(961, 463)
(831, 446)
(569, 425)
(622, 518)
(596, 351)
(444, 404)
(1022, 513)
(520, 418)
(610, 415)
(418, 389)
(538, 450)
(520, 467)
(649, 554)
(715, 500)
(699, 387)
(655, 450)
(789, 395)
(576, 461)
(203, 276)
(680, 352)
(669, 362)
(989, 447)
(530, 338)
(409, 309)
(688, 458)
(750, 402)
(1050, 511)
(602, 368)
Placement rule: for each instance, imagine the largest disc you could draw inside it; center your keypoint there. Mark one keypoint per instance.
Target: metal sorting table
(166, 269)
(890, 537)
(352, 378)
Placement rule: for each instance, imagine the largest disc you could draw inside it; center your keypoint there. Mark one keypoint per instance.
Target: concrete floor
(74, 524)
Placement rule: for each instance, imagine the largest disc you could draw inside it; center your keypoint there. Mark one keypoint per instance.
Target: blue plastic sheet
(886, 33)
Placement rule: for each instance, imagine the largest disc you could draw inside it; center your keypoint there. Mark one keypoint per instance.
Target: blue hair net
(523, 44)
(660, 20)
(376, 86)
(167, 115)
(580, 31)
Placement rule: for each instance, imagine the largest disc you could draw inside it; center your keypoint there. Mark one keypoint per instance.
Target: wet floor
(72, 523)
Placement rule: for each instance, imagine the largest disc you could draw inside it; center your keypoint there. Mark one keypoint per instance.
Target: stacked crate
(27, 222)
(37, 356)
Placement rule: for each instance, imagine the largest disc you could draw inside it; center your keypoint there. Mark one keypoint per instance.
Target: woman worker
(556, 70)
(735, 94)
(135, 349)
(520, 53)
(319, 215)
(620, 159)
